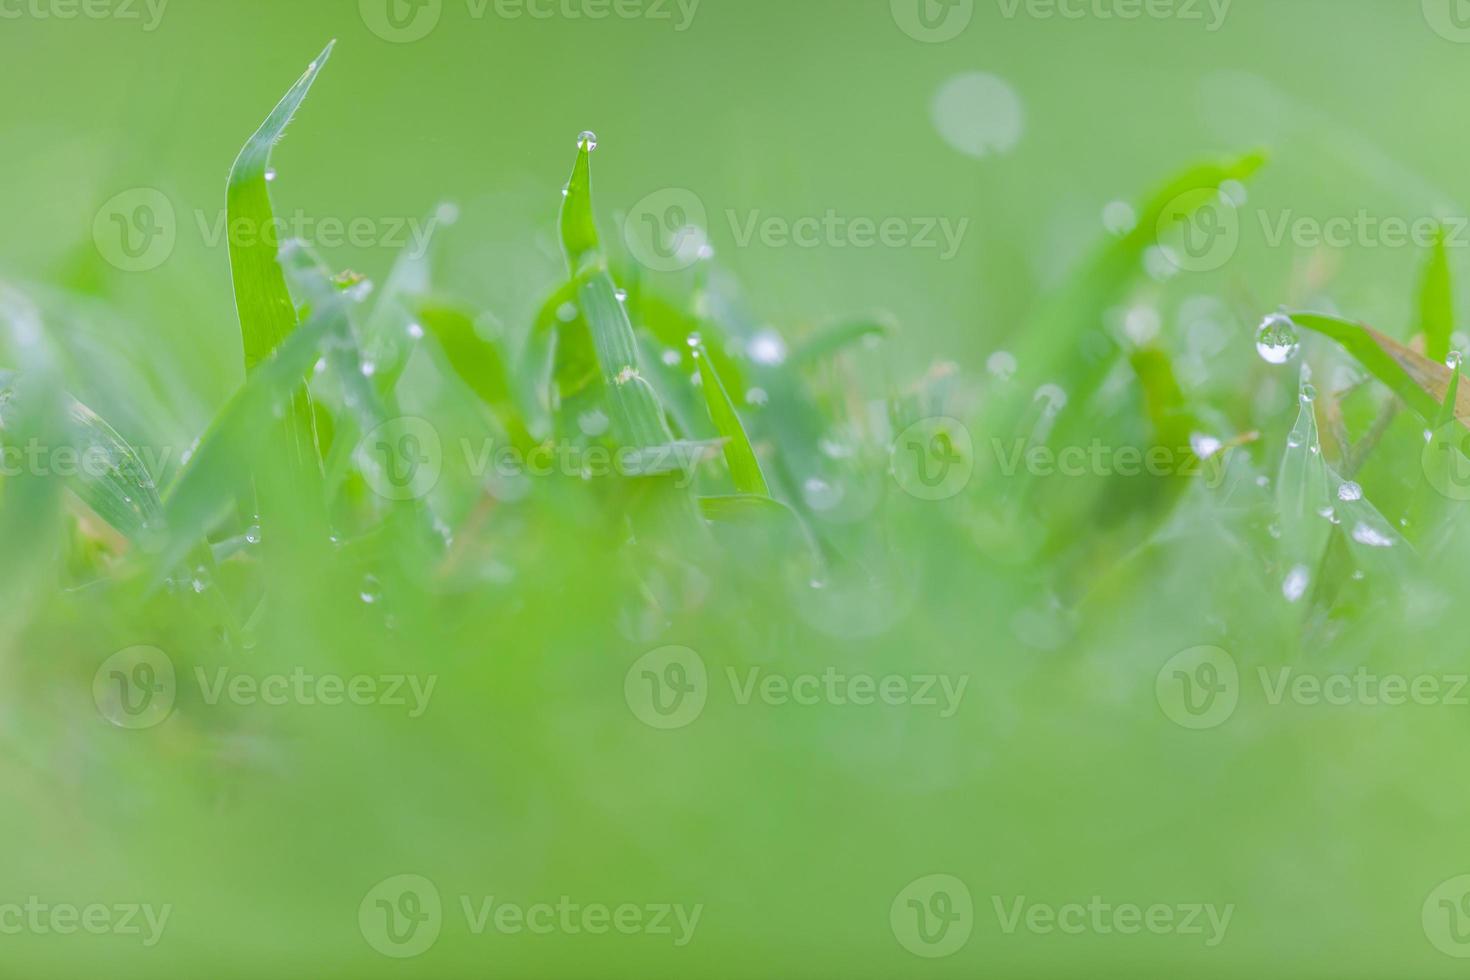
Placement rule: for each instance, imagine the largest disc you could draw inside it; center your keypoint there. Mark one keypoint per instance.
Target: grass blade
(262, 299)
(1420, 382)
(1436, 302)
(745, 468)
(220, 469)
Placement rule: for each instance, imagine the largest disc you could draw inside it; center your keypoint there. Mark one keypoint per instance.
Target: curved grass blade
(745, 468)
(262, 299)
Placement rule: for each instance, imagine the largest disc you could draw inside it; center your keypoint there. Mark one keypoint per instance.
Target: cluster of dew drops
(1277, 342)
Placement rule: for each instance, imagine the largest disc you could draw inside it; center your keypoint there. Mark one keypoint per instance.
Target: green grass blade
(1436, 302)
(578, 226)
(636, 415)
(219, 471)
(1420, 382)
(124, 493)
(745, 468)
(479, 364)
(262, 299)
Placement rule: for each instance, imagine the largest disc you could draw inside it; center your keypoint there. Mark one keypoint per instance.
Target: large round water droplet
(1276, 340)
(587, 138)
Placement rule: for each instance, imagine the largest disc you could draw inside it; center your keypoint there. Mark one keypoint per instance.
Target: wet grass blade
(112, 479)
(637, 417)
(745, 468)
(262, 299)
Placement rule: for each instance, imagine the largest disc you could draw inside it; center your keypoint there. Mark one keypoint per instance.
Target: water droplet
(819, 494)
(321, 366)
(694, 340)
(1119, 217)
(1276, 339)
(1453, 360)
(757, 396)
(252, 533)
(1204, 445)
(1141, 324)
(1294, 586)
(1350, 491)
(371, 591)
(270, 173)
(587, 139)
(1002, 364)
(622, 295)
(1371, 536)
(369, 369)
(566, 312)
(416, 331)
(1309, 393)
(767, 347)
(978, 114)
(200, 580)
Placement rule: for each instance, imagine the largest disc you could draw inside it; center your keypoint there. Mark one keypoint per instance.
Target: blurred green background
(789, 109)
(796, 829)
